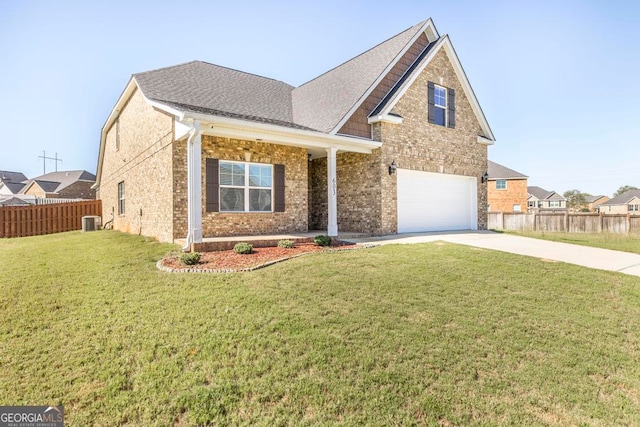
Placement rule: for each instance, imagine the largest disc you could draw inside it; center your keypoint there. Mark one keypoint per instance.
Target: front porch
(212, 244)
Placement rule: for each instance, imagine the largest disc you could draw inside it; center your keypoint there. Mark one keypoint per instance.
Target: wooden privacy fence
(564, 222)
(34, 220)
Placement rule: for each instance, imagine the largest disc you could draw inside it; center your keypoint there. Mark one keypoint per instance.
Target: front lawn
(434, 334)
(616, 242)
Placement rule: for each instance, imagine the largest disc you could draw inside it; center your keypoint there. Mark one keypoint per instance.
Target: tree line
(577, 200)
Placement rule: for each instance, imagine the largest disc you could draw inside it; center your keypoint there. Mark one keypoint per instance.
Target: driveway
(601, 259)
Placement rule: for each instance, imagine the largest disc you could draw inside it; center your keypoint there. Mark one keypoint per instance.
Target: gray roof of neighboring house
(591, 199)
(15, 187)
(623, 198)
(541, 193)
(54, 182)
(211, 89)
(324, 101)
(14, 201)
(320, 104)
(7, 176)
(497, 171)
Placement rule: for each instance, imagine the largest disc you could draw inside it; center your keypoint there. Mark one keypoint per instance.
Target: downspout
(194, 186)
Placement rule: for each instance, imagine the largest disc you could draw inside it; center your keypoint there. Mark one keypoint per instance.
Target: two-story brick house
(393, 140)
(506, 189)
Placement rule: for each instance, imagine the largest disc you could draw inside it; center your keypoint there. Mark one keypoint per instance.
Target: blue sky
(558, 81)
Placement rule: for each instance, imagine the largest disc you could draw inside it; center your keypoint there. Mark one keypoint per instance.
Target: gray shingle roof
(14, 201)
(7, 176)
(539, 193)
(623, 198)
(319, 104)
(14, 187)
(324, 101)
(497, 171)
(207, 88)
(591, 199)
(54, 182)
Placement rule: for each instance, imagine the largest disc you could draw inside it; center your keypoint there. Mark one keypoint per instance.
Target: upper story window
(440, 102)
(501, 184)
(442, 109)
(634, 208)
(554, 203)
(532, 204)
(118, 134)
(245, 187)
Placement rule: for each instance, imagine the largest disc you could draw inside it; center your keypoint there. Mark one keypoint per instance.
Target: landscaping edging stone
(166, 269)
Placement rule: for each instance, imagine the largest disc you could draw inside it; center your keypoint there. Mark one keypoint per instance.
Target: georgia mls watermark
(31, 416)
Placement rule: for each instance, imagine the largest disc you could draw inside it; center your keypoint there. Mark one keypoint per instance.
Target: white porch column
(332, 196)
(194, 185)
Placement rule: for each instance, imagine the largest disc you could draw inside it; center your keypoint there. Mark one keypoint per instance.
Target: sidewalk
(601, 259)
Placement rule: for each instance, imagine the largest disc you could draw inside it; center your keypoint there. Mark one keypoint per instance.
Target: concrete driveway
(602, 259)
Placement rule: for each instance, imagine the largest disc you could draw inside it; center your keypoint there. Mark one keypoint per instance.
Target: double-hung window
(246, 187)
(442, 105)
(634, 208)
(554, 203)
(121, 198)
(501, 184)
(440, 102)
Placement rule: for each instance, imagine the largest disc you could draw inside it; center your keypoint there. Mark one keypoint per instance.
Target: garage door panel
(435, 202)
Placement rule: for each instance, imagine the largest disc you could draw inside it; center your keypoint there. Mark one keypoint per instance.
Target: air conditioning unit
(91, 223)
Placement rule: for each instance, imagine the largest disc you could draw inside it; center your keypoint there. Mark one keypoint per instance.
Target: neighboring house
(506, 188)
(15, 201)
(626, 203)
(62, 185)
(11, 183)
(594, 202)
(541, 200)
(393, 140)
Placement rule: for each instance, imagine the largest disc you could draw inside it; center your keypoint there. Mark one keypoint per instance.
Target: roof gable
(326, 102)
(54, 182)
(539, 193)
(444, 43)
(497, 171)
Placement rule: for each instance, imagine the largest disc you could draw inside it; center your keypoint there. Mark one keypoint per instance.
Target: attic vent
(90, 223)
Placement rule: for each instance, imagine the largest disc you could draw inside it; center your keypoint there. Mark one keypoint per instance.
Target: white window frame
(121, 199)
(552, 203)
(532, 204)
(634, 208)
(444, 106)
(246, 187)
(516, 208)
(501, 180)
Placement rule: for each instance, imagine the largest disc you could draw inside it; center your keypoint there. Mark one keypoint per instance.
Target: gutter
(192, 188)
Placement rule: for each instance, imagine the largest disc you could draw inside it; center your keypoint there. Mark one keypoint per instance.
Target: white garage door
(436, 202)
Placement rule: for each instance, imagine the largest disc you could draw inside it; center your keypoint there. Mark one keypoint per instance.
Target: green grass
(616, 242)
(430, 334)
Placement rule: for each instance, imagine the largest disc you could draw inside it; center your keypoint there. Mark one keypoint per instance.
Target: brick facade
(214, 224)
(504, 200)
(142, 160)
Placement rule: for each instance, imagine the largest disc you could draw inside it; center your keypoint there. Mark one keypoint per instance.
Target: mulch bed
(229, 261)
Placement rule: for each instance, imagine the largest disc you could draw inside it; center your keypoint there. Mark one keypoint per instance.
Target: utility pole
(44, 161)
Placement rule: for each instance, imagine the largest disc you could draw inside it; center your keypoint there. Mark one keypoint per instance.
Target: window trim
(559, 202)
(505, 184)
(121, 198)
(634, 208)
(518, 210)
(444, 108)
(246, 187)
(532, 204)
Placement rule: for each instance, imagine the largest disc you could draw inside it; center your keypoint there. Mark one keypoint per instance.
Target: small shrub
(288, 244)
(243, 248)
(322, 240)
(190, 258)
